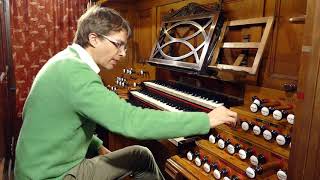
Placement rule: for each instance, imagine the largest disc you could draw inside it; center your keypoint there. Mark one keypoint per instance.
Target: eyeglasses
(119, 45)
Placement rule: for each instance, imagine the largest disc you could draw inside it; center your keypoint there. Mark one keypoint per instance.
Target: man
(68, 99)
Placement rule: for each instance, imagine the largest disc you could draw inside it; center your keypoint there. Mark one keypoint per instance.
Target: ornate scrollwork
(193, 9)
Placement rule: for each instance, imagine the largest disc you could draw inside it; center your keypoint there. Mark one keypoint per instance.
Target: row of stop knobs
(225, 173)
(269, 135)
(278, 111)
(259, 161)
(132, 71)
(218, 172)
(238, 148)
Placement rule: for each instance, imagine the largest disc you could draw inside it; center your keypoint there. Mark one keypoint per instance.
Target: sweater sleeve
(91, 99)
(96, 143)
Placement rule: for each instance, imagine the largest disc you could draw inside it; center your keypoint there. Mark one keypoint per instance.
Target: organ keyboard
(185, 97)
(185, 94)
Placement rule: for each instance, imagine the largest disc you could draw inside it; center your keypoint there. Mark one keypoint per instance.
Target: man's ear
(93, 39)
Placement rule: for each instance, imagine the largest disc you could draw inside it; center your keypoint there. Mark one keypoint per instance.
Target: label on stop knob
(250, 173)
(245, 126)
(267, 135)
(190, 156)
(197, 161)
(206, 167)
(212, 139)
(290, 118)
(254, 160)
(281, 140)
(277, 115)
(281, 175)
(221, 144)
(217, 174)
(265, 111)
(230, 149)
(242, 154)
(254, 107)
(256, 130)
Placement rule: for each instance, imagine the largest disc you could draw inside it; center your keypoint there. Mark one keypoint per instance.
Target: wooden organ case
(199, 74)
(291, 57)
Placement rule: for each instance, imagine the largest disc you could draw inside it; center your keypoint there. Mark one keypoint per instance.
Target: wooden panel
(305, 152)
(284, 58)
(1, 168)
(306, 134)
(144, 38)
(143, 35)
(232, 9)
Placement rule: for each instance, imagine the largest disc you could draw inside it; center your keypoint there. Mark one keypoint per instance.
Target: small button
(277, 115)
(267, 135)
(212, 139)
(242, 154)
(221, 144)
(257, 102)
(281, 140)
(254, 107)
(254, 160)
(265, 111)
(206, 167)
(217, 174)
(282, 175)
(190, 156)
(245, 126)
(250, 172)
(290, 118)
(256, 130)
(230, 149)
(197, 161)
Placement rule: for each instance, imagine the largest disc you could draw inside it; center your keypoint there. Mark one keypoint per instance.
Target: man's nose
(122, 52)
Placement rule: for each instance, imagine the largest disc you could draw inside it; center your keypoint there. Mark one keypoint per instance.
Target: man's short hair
(99, 20)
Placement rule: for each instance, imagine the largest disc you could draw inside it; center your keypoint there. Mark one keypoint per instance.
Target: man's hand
(103, 150)
(222, 115)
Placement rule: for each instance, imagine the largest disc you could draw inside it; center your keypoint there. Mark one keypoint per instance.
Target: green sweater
(66, 101)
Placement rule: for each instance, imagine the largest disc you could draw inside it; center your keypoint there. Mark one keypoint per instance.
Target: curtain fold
(39, 29)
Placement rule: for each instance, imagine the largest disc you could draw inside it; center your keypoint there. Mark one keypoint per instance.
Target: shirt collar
(86, 57)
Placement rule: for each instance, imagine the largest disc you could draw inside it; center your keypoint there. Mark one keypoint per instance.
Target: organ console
(256, 148)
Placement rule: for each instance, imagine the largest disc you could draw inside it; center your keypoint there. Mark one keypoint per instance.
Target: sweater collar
(85, 57)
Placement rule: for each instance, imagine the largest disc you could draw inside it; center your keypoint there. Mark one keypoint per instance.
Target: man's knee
(142, 151)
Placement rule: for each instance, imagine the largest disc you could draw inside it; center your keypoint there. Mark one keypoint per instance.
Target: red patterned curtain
(39, 29)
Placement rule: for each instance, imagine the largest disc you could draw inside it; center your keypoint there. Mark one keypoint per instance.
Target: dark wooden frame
(8, 80)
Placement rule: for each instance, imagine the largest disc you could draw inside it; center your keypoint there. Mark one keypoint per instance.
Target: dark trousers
(133, 160)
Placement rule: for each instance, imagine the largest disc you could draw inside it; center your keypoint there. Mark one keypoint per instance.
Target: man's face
(108, 49)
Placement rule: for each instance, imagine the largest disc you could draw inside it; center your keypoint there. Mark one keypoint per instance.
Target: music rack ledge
(246, 45)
